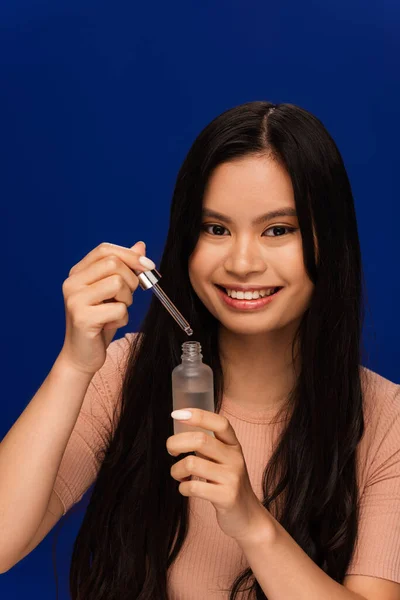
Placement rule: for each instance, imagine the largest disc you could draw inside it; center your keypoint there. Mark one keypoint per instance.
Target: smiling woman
(302, 491)
(262, 200)
(246, 254)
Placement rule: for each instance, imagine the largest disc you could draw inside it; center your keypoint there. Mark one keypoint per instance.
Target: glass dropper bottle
(149, 280)
(192, 387)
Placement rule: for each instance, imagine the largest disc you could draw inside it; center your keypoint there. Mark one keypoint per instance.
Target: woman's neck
(258, 370)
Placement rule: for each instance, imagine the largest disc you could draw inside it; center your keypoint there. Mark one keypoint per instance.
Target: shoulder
(108, 380)
(381, 397)
(106, 385)
(119, 350)
(381, 439)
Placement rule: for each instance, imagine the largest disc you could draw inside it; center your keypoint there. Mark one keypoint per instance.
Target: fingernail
(181, 414)
(147, 263)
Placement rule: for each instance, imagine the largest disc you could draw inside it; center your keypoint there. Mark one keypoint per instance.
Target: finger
(201, 489)
(104, 268)
(198, 467)
(199, 442)
(205, 419)
(139, 247)
(129, 256)
(112, 288)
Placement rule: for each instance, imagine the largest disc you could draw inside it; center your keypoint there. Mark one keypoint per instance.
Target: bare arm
(30, 457)
(97, 294)
(285, 572)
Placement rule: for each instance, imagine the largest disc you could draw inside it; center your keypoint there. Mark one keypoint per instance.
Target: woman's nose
(243, 259)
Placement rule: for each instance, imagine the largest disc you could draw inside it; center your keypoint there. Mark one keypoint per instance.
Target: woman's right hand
(92, 314)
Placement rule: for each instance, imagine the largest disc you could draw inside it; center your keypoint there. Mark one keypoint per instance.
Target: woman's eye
(217, 229)
(279, 228)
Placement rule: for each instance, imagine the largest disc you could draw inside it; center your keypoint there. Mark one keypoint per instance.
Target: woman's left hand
(239, 512)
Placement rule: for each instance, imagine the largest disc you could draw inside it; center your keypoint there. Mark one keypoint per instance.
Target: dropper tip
(189, 331)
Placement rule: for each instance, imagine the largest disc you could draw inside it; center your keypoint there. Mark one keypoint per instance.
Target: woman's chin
(256, 328)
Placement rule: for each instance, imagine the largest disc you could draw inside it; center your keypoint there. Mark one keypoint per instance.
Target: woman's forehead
(261, 184)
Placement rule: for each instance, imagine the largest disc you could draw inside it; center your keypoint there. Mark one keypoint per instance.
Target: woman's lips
(246, 304)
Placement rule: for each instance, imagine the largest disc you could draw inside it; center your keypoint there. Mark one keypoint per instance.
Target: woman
(301, 498)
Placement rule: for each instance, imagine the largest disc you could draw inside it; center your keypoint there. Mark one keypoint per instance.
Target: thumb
(140, 247)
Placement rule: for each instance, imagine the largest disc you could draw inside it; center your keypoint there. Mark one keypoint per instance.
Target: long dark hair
(136, 520)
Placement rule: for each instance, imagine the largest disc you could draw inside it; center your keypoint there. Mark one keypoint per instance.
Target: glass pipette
(150, 279)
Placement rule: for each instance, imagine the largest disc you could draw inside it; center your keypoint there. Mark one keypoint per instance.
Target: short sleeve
(83, 454)
(377, 551)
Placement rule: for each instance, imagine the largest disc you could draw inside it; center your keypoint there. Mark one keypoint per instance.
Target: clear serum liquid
(192, 386)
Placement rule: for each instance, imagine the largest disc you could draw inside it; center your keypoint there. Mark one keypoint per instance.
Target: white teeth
(250, 295)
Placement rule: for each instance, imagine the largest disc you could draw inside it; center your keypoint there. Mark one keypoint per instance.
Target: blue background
(100, 103)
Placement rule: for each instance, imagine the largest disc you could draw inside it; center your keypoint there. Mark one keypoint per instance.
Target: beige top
(209, 559)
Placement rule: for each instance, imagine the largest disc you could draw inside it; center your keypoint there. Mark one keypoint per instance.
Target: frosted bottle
(192, 386)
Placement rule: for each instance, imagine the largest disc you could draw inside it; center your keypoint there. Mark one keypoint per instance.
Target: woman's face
(243, 246)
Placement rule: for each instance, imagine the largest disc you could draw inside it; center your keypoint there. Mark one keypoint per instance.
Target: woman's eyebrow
(281, 212)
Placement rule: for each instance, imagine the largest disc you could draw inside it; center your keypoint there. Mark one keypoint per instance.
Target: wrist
(64, 369)
(263, 531)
